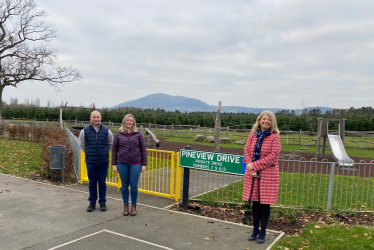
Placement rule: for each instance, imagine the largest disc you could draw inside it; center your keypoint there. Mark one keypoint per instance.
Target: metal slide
(338, 151)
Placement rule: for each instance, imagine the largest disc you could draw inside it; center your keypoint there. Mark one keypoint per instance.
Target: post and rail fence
(304, 139)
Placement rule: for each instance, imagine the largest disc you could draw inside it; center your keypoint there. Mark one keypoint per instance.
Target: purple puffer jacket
(129, 149)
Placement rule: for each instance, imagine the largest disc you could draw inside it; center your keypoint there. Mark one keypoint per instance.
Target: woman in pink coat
(261, 178)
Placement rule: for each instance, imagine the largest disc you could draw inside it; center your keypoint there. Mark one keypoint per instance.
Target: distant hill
(185, 104)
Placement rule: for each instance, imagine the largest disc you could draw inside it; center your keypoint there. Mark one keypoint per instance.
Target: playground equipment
(335, 141)
(149, 132)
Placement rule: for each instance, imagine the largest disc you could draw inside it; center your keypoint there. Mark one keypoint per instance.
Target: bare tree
(25, 52)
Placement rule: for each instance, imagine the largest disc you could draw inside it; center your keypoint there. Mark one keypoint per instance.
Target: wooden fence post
(300, 138)
(217, 128)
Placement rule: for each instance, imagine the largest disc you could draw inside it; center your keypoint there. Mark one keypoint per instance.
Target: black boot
(264, 215)
(91, 207)
(256, 220)
(103, 207)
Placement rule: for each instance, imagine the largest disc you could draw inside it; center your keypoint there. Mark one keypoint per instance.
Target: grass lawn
(318, 236)
(19, 158)
(306, 191)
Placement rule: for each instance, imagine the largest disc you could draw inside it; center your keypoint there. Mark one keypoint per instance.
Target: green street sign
(210, 161)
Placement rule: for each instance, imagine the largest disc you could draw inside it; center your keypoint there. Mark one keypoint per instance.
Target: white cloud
(245, 53)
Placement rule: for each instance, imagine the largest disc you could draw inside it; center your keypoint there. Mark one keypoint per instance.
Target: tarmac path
(36, 215)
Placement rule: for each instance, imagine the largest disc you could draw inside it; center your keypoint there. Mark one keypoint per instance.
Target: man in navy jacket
(96, 141)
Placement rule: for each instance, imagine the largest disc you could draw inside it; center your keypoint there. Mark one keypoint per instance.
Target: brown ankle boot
(133, 210)
(126, 209)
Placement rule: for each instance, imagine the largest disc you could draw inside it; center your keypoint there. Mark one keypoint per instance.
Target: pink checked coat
(267, 165)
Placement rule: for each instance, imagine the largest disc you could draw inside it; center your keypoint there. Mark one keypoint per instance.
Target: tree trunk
(1, 102)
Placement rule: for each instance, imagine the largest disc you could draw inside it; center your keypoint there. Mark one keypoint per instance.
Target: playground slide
(338, 151)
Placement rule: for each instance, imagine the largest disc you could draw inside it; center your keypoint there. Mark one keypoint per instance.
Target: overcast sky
(275, 54)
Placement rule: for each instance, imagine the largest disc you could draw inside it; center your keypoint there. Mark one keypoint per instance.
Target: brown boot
(133, 210)
(126, 209)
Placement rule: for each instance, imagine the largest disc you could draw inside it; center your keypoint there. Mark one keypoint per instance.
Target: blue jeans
(129, 177)
(97, 173)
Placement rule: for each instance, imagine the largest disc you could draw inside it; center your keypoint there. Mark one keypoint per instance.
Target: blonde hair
(123, 127)
(273, 126)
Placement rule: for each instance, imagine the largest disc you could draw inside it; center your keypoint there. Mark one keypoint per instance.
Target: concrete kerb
(177, 229)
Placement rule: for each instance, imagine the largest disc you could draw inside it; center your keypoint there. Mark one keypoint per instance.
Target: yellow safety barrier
(162, 176)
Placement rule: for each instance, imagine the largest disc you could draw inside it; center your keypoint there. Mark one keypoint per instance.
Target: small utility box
(57, 160)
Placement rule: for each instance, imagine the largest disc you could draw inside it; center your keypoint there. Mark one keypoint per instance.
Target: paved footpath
(38, 216)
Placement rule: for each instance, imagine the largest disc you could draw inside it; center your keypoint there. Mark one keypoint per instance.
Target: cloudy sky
(276, 54)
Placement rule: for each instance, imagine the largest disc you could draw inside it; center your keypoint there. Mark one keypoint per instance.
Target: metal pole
(331, 185)
(190, 132)
(186, 184)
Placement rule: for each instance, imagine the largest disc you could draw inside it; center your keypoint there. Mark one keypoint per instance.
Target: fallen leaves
(276, 222)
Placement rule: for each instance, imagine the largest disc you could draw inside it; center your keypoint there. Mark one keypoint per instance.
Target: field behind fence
(305, 139)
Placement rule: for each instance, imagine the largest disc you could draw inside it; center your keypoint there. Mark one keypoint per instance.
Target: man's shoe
(91, 207)
(102, 207)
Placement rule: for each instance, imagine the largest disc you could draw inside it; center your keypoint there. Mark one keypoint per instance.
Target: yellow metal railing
(162, 176)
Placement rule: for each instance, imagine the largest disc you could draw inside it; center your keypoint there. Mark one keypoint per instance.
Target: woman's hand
(253, 174)
(115, 168)
(250, 166)
(143, 168)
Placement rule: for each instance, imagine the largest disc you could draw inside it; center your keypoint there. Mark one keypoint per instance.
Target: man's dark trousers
(97, 173)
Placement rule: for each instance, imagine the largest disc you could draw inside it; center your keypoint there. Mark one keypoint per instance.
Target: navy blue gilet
(97, 149)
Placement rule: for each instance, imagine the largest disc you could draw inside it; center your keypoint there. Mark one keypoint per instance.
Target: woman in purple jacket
(129, 158)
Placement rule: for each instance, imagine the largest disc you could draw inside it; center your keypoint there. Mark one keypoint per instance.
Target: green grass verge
(19, 158)
(317, 236)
